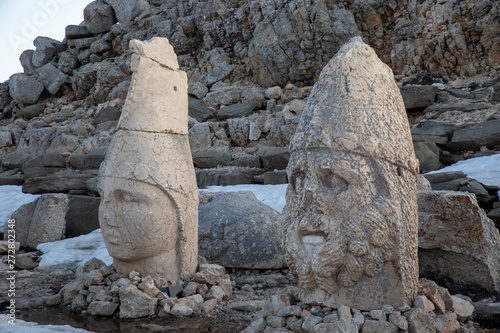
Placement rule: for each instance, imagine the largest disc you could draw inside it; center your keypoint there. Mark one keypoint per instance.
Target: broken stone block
(181, 310)
(458, 240)
(48, 223)
(101, 308)
(135, 303)
(99, 17)
(46, 48)
(462, 309)
(420, 321)
(237, 230)
(24, 89)
(51, 78)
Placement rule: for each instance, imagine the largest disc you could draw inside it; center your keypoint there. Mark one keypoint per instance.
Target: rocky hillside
(251, 65)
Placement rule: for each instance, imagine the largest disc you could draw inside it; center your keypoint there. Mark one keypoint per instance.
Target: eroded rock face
(350, 222)
(149, 211)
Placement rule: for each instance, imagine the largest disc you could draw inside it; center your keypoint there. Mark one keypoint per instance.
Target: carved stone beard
(326, 253)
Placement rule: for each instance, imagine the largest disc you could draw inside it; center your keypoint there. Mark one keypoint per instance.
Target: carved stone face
(134, 225)
(338, 217)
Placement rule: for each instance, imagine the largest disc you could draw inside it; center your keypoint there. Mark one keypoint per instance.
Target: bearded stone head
(350, 221)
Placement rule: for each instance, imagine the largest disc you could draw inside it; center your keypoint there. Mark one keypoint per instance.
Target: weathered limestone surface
(149, 211)
(350, 222)
(237, 230)
(458, 240)
(48, 223)
(157, 96)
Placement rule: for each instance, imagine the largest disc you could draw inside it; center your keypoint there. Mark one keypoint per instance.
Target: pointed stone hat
(157, 99)
(356, 107)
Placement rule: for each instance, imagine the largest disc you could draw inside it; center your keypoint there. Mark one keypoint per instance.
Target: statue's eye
(330, 181)
(127, 196)
(297, 181)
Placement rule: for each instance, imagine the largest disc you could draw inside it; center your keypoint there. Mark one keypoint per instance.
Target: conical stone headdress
(356, 107)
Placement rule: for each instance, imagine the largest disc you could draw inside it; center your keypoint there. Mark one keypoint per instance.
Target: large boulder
(77, 31)
(219, 73)
(26, 60)
(418, 96)
(476, 136)
(23, 217)
(51, 78)
(457, 240)
(42, 220)
(48, 223)
(437, 131)
(135, 303)
(32, 111)
(276, 158)
(83, 80)
(197, 110)
(46, 48)
(427, 153)
(237, 230)
(25, 89)
(99, 16)
(127, 10)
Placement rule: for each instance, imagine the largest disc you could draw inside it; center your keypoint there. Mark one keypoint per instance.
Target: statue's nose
(311, 188)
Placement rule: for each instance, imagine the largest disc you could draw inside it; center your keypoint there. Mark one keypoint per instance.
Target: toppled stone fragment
(99, 17)
(237, 230)
(51, 78)
(24, 89)
(48, 223)
(46, 48)
(457, 240)
(135, 303)
(127, 10)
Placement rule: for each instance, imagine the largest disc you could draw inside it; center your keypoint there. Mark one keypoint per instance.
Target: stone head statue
(149, 207)
(350, 221)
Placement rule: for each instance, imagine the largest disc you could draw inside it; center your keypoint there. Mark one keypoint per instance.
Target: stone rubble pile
(434, 310)
(99, 290)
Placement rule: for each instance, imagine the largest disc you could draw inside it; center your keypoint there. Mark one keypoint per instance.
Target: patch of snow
(11, 198)
(485, 170)
(22, 326)
(271, 195)
(72, 252)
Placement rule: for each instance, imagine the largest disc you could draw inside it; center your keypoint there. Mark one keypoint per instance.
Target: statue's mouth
(312, 241)
(313, 238)
(113, 235)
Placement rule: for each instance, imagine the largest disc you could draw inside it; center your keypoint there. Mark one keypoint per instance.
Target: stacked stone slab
(149, 211)
(350, 221)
